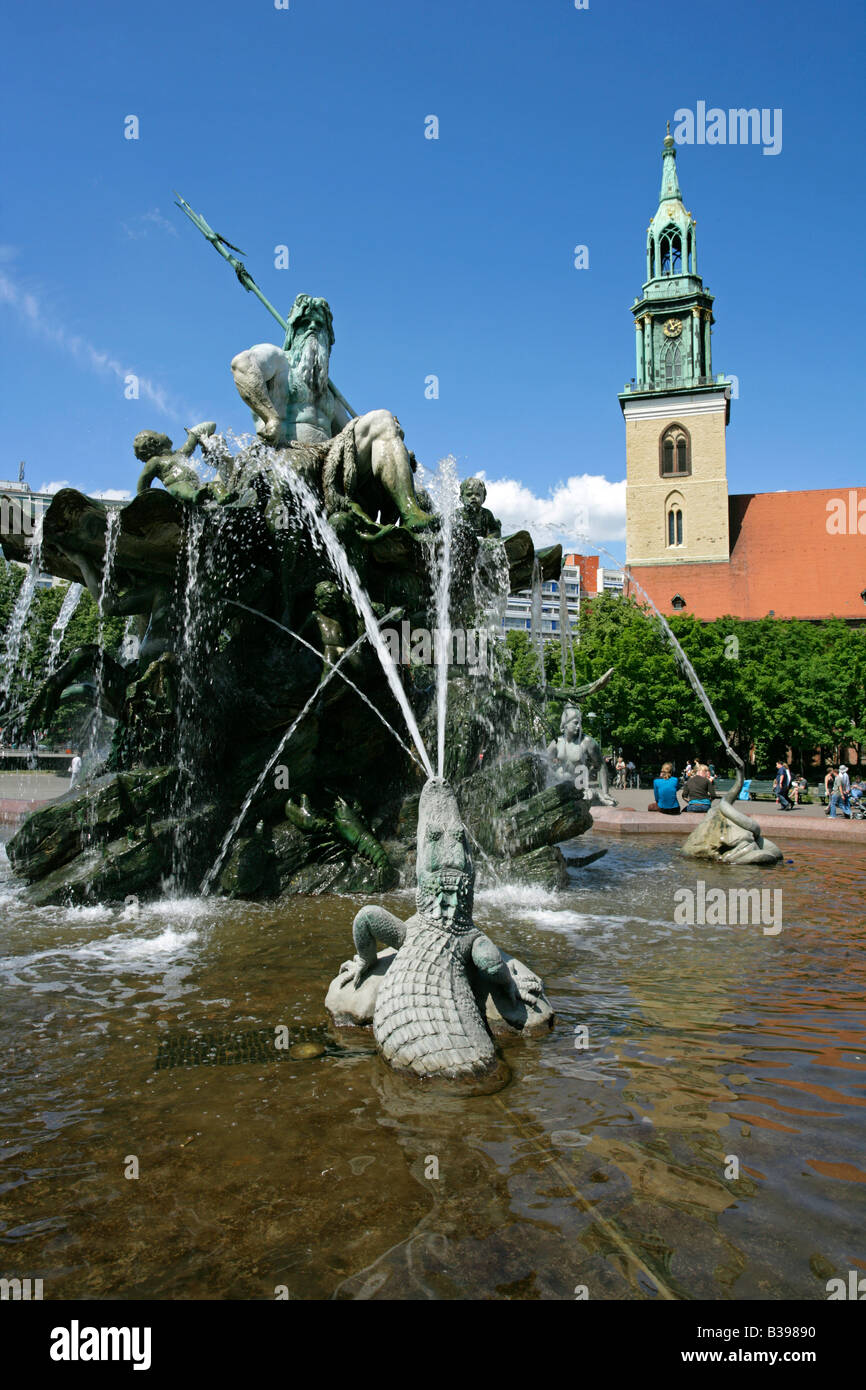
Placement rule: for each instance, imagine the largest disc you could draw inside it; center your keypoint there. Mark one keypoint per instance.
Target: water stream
(537, 621)
(71, 600)
(335, 667)
(20, 613)
(325, 539)
(445, 492)
(192, 664)
(682, 660)
(97, 723)
(565, 634)
(228, 838)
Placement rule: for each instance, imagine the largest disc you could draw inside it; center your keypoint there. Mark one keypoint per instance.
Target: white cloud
(109, 494)
(587, 507)
(28, 308)
(7, 252)
(135, 229)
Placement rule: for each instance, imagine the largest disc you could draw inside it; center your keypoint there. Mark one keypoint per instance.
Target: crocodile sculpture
(432, 1002)
(729, 836)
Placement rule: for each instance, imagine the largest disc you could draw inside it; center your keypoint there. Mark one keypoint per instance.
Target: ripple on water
(728, 1040)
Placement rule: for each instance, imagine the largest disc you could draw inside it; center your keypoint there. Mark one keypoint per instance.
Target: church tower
(675, 411)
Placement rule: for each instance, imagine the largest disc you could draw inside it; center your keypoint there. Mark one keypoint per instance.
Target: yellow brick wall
(704, 492)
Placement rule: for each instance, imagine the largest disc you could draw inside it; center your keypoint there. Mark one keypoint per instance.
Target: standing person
(620, 772)
(841, 793)
(75, 769)
(665, 792)
(630, 773)
(781, 785)
(829, 779)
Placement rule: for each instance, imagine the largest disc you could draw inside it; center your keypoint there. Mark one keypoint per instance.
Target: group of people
(697, 789)
(625, 774)
(841, 793)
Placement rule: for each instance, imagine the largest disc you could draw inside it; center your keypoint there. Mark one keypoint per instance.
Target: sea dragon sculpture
(430, 1007)
(729, 836)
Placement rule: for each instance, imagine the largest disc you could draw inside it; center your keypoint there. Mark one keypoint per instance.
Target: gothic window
(675, 526)
(690, 263)
(672, 364)
(652, 258)
(678, 602)
(675, 454)
(670, 252)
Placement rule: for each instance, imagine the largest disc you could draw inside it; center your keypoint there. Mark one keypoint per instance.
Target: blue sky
(451, 257)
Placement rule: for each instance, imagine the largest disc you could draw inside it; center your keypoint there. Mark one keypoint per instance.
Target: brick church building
(691, 545)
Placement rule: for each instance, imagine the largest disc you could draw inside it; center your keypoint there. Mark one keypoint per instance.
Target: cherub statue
(170, 466)
(473, 494)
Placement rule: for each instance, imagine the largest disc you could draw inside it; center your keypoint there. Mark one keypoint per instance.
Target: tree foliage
(774, 683)
(31, 667)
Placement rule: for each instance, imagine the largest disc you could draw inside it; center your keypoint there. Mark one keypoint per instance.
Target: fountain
(236, 765)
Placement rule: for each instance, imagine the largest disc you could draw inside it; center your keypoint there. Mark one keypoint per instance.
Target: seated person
(698, 791)
(665, 792)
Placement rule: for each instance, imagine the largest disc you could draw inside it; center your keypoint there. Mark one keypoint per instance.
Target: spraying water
(71, 600)
(682, 660)
(21, 612)
(446, 498)
(537, 632)
(210, 876)
(325, 539)
(564, 626)
(112, 531)
(191, 667)
(335, 668)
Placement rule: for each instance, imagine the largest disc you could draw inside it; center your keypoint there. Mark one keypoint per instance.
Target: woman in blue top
(665, 790)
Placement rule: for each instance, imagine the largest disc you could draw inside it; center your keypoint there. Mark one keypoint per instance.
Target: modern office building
(583, 578)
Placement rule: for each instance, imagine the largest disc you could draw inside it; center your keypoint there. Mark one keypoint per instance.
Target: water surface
(601, 1166)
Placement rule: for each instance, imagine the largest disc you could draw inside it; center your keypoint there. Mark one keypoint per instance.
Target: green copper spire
(670, 182)
(674, 315)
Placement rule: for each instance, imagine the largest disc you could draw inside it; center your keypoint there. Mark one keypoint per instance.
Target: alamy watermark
(423, 646)
(736, 126)
(738, 907)
(19, 516)
(847, 516)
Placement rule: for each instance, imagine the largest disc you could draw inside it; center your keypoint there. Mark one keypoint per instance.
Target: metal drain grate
(228, 1049)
